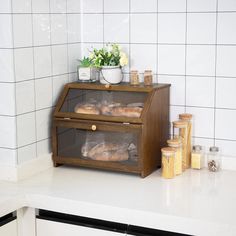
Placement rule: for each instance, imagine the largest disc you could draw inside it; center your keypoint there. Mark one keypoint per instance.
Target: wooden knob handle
(107, 86)
(94, 127)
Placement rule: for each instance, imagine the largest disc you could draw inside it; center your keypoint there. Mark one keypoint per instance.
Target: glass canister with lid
(214, 159)
(168, 162)
(182, 126)
(197, 157)
(188, 118)
(177, 144)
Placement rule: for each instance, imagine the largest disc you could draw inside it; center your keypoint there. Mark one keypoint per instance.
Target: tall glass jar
(182, 126)
(214, 159)
(177, 144)
(188, 118)
(197, 157)
(168, 162)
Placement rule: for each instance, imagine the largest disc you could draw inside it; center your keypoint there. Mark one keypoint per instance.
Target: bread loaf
(87, 109)
(127, 111)
(103, 147)
(111, 156)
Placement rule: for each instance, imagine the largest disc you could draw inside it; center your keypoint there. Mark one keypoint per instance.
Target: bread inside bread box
(115, 129)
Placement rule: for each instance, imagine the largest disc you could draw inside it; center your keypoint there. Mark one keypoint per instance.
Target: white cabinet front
(9, 229)
(45, 227)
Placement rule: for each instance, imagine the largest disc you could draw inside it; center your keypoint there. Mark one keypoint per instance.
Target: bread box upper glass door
(105, 103)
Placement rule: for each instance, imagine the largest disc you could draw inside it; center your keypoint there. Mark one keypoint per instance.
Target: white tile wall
(225, 93)
(7, 98)
(138, 6)
(116, 28)
(41, 29)
(143, 28)
(5, 6)
(24, 69)
(26, 133)
(190, 44)
(6, 65)
(113, 6)
(201, 5)
(25, 96)
(33, 48)
(201, 28)
(43, 93)
(23, 37)
(6, 40)
(171, 28)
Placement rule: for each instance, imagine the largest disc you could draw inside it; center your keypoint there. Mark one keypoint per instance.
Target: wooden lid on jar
(168, 151)
(180, 124)
(176, 142)
(185, 116)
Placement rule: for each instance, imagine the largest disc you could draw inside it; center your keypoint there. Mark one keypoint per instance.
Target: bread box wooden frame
(151, 128)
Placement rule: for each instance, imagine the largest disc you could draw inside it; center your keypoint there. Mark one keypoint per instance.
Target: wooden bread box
(111, 127)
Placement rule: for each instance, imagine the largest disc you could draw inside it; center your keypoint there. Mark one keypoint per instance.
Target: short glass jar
(177, 144)
(214, 159)
(197, 157)
(168, 162)
(134, 77)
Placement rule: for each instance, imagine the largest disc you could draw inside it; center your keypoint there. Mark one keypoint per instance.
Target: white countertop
(197, 202)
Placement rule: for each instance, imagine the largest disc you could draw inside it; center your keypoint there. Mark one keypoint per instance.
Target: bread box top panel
(95, 101)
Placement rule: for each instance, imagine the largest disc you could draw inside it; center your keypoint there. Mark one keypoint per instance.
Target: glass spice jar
(197, 157)
(148, 77)
(214, 159)
(168, 162)
(188, 118)
(177, 144)
(134, 77)
(182, 126)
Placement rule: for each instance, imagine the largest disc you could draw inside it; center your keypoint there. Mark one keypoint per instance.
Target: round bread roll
(87, 109)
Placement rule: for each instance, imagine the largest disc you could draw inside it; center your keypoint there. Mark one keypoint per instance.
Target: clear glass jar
(168, 162)
(182, 126)
(148, 77)
(214, 159)
(134, 77)
(188, 118)
(177, 144)
(197, 157)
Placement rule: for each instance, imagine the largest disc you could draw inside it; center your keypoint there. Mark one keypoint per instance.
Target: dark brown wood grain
(152, 128)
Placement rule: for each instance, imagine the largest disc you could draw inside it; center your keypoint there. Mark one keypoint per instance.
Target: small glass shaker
(214, 159)
(197, 157)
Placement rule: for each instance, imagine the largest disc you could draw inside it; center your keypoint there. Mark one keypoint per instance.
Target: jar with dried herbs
(214, 159)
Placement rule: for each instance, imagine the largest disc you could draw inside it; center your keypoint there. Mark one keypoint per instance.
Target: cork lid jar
(186, 116)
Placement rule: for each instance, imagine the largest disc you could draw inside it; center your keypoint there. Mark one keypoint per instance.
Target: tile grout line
(14, 71)
(185, 62)
(215, 85)
(35, 123)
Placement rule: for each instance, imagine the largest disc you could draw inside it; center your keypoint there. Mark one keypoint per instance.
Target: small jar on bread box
(177, 144)
(197, 157)
(148, 77)
(168, 162)
(214, 159)
(134, 77)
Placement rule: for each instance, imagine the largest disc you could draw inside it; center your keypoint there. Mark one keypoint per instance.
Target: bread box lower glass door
(99, 145)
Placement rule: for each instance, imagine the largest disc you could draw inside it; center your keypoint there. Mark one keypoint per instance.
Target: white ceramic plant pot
(111, 75)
